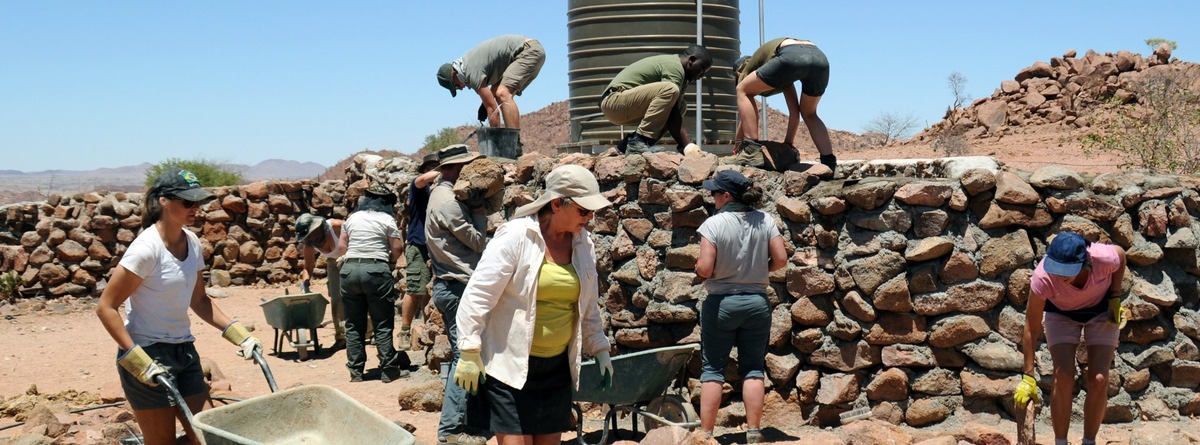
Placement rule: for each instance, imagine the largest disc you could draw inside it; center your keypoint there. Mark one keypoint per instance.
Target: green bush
(211, 173)
(1159, 131)
(9, 283)
(437, 141)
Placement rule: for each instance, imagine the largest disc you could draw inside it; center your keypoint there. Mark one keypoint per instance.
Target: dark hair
(752, 197)
(377, 203)
(151, 209)
(699, 52)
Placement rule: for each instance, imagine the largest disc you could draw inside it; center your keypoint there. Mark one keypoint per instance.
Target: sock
(1060, 441)
(1087, 441)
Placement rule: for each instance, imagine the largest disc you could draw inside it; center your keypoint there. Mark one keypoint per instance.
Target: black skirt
(542, 406)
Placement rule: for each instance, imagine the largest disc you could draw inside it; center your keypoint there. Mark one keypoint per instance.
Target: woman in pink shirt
(1077, 289)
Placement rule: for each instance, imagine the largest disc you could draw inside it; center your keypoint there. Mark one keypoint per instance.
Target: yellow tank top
(557, 298)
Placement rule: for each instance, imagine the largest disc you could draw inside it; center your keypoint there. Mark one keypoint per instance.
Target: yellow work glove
(238, 335)
(1116, 312)
(1027, 390)
(606, 370)
(468, 373)
(144, 368)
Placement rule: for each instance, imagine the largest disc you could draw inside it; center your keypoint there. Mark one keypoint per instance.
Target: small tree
(1153, 43)
(1161, 131)
(437, 141)
(891, 126)
(951, 140)
(211, 173)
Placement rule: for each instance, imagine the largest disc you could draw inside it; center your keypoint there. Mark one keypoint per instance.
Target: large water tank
(605, 36)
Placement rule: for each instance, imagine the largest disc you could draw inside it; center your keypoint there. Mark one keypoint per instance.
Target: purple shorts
(1061, 329)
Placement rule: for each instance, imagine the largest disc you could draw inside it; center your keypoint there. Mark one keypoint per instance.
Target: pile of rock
(1060, 92)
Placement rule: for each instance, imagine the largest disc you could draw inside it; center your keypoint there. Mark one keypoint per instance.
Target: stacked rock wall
(905, 292)
(68, 245)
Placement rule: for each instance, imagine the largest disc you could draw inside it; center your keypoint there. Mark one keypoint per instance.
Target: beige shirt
(454, 235)
(498, 310)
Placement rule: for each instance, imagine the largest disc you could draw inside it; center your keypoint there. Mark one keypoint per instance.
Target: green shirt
(664, 68)
(760, 57)
(484, 64)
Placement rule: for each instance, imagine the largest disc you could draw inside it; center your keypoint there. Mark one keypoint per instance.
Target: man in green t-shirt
(650, 92)
(497, 70)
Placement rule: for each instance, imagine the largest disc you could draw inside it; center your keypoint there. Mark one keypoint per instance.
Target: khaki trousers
(651, 104)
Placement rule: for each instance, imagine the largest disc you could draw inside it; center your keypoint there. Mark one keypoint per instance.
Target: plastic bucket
(499, 142)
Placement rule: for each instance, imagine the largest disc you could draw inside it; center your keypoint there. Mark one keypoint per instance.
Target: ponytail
(151, 208)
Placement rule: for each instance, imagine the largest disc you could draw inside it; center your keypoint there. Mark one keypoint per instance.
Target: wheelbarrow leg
(316, 342)
(277, 344)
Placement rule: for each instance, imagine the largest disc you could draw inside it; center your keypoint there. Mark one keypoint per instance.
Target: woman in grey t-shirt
(739, 247)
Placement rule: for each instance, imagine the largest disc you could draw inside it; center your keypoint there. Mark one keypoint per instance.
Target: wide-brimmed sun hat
(568, 181)
(456, 154)
(308, 224)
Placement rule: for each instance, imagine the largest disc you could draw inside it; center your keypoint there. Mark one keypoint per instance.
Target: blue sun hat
(1066, 255)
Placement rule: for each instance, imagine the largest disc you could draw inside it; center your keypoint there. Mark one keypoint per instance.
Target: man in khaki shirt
(455, 236)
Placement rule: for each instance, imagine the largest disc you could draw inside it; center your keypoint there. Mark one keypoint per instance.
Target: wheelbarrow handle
(262, 363)
(176, 398)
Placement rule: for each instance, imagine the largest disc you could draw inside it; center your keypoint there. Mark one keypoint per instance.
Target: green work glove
(238, 335)
(1116, 313)
(468, 373)
(144, 368)
(1027, 390)
(606, 370)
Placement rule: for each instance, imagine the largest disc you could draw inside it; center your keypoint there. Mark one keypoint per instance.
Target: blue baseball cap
(728, 181)
(1066, 255)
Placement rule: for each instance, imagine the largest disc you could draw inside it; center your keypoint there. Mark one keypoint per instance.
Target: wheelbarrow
(298, 316)
(311, 414)
(643, 385)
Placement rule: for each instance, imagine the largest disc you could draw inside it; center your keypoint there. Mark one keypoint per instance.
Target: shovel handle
(262, 363)
(175, 397)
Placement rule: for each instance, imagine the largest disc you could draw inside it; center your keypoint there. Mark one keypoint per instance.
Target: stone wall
(905, 292)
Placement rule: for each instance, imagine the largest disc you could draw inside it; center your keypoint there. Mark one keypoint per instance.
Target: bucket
(499, 142)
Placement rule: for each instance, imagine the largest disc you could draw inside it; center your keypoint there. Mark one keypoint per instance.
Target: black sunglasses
(186, 204)
(582, 211)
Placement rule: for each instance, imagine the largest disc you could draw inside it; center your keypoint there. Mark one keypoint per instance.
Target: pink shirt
(1105, 262)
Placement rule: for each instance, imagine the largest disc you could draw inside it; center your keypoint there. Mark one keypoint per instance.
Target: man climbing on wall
(650, 93)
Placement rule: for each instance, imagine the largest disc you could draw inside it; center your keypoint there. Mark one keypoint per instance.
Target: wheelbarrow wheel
(302, 342)
(672, 407)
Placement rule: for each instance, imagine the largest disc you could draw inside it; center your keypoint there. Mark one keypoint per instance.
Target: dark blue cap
(1066, 255)
(728, 181)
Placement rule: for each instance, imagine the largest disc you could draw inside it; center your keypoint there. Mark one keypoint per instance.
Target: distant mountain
(282, 169)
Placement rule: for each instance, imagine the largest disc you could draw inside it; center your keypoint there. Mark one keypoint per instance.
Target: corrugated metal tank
(605, 36)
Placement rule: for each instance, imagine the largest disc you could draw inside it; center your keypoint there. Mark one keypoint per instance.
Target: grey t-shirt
(484, 64)
(368, 233)
(743, 258)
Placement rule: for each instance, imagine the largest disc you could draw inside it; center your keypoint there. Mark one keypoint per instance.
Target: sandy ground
(62, 351)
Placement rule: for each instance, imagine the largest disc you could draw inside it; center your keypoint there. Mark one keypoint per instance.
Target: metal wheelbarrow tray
(300, 314)
(311, 414)
(640, 385)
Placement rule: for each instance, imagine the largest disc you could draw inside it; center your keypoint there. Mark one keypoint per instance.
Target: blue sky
(104, 84)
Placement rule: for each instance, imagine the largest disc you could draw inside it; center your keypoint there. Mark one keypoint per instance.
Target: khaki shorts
(522, 71)
(416, 274)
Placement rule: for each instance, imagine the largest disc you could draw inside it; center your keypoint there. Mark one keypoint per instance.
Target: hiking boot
(830, 161)
(463, 439)
(638, 144)
(754, 436)
(404, 339)
(749, 154)
(391, 374)
(356, 376)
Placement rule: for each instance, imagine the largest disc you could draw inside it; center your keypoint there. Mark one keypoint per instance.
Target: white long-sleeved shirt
(497, 311)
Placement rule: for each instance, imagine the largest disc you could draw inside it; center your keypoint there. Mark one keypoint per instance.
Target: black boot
(638, 144)
(830, 161)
